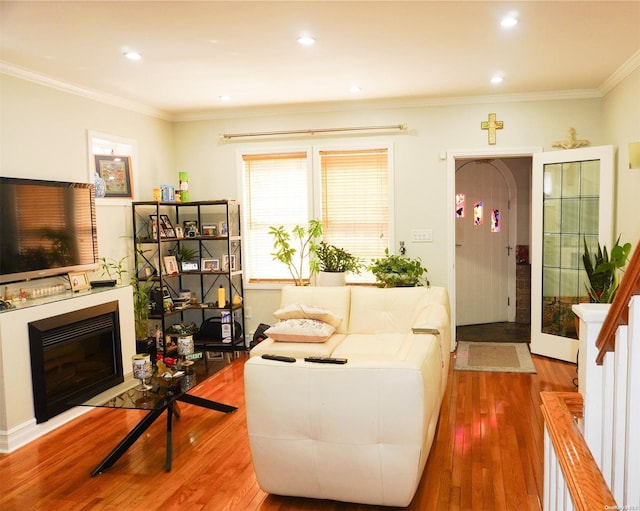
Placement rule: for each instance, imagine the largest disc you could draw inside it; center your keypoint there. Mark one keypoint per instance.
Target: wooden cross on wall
(492, 125)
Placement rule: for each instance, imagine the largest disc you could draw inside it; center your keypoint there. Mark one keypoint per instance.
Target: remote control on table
(326, 360)
(279, 358)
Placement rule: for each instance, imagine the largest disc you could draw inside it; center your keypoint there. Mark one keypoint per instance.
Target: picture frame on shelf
(115, 170)
(226, 259)
(210, 265)
(190, 265)
(179, 232)
(223, 229)
(209, 230)
(170, 265)
(190, 228)
(165, 223)
(79, 281)
(156, 227)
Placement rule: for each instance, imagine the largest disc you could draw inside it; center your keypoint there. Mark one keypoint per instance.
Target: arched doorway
(485, 233)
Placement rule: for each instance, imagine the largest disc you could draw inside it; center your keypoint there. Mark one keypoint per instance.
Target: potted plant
(602, 270)
(334, 263)
(114, 269)
(141, 305)
(305, 240)
(398, 271)
(183, 253)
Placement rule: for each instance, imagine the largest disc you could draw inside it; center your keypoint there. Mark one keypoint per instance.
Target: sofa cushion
(300, 330)
(301, 311)
(378, 310)
(335, 299)
(372, 347)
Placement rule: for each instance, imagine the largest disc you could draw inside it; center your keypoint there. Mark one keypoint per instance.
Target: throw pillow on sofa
(299, 311)
(300, 330)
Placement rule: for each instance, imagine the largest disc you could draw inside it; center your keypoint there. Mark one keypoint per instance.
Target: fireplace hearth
(74, 357)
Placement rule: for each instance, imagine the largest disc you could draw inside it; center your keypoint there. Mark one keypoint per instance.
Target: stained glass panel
(478, 213)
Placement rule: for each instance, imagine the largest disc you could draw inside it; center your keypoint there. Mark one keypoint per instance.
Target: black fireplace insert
(74, 357)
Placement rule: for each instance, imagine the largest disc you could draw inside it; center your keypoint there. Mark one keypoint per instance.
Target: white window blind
(276, 192)
(355, 203)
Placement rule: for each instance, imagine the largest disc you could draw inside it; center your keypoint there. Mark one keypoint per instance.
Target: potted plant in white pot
(334, 263)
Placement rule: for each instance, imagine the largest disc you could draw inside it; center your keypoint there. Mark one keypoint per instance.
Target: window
(355, 202)
(352, 192)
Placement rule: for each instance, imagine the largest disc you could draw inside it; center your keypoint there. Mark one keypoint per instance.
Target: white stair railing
(612, 403)
(600, 437)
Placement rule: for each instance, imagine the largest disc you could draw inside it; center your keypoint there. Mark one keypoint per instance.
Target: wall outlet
(422, 236)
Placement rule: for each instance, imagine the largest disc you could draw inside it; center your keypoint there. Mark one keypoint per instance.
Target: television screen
(47, 228)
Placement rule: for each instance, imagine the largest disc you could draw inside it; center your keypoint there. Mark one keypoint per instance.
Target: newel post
(591, 376)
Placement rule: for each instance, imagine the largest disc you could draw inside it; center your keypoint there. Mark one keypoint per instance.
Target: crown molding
(621, 73)
(388, 103)
(47, 81)
(309, 108)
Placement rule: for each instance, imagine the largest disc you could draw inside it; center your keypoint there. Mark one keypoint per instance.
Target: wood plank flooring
(487, 454)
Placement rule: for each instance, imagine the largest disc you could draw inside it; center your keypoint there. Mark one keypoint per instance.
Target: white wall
(621, 121)
(421, 200)
(43, 135)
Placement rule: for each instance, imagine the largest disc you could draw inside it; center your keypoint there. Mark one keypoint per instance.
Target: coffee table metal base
(171, 408)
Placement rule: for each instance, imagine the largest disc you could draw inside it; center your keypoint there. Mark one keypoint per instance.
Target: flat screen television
(47, 228)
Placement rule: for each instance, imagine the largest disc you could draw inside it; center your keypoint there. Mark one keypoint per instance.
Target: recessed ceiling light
(224, 97)
(354, 89)
(132, 55)
(496, 79)
(510, 20)
(306, 40)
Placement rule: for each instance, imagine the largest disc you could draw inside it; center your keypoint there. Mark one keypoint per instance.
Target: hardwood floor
(487, 454)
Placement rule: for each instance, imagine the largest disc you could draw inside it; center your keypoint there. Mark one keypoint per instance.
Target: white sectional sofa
(361, 431)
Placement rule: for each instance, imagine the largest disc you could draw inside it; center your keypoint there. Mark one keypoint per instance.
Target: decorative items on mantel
(570, 142)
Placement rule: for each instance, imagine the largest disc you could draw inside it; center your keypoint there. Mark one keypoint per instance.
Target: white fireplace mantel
(17, 417)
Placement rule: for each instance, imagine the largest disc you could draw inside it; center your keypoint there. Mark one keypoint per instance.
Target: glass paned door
(572, 203)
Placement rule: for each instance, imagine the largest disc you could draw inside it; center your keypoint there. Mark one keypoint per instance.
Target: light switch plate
(422, 236)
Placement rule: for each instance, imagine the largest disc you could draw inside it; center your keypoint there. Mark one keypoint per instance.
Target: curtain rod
(229, 136)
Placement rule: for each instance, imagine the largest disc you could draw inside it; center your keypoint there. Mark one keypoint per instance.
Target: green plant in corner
(141, 305)
(602, 270)
(336, 260)
(398, 271)
(294, 257)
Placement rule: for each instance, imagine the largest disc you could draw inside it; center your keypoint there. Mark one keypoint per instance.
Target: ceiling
(195, 52)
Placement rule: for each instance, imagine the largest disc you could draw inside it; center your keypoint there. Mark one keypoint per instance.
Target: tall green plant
(602, 270)
(141, 304)
(296, 247)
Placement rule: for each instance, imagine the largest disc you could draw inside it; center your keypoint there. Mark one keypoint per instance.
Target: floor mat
(494, 357)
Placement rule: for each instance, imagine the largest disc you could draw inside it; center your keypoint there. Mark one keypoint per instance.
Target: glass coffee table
(163, 396)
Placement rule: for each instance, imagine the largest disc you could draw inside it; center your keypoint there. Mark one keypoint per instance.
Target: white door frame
(509, 215)
(452, 155)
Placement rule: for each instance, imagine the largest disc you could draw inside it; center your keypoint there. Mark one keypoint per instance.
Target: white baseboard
(29, 431)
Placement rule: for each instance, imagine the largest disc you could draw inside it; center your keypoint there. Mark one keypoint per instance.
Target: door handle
(509, 249)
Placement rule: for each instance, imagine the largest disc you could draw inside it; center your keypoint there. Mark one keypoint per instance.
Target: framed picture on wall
(115, 171)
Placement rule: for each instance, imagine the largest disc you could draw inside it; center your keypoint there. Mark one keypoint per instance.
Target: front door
(482, 244)
(572, 202)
